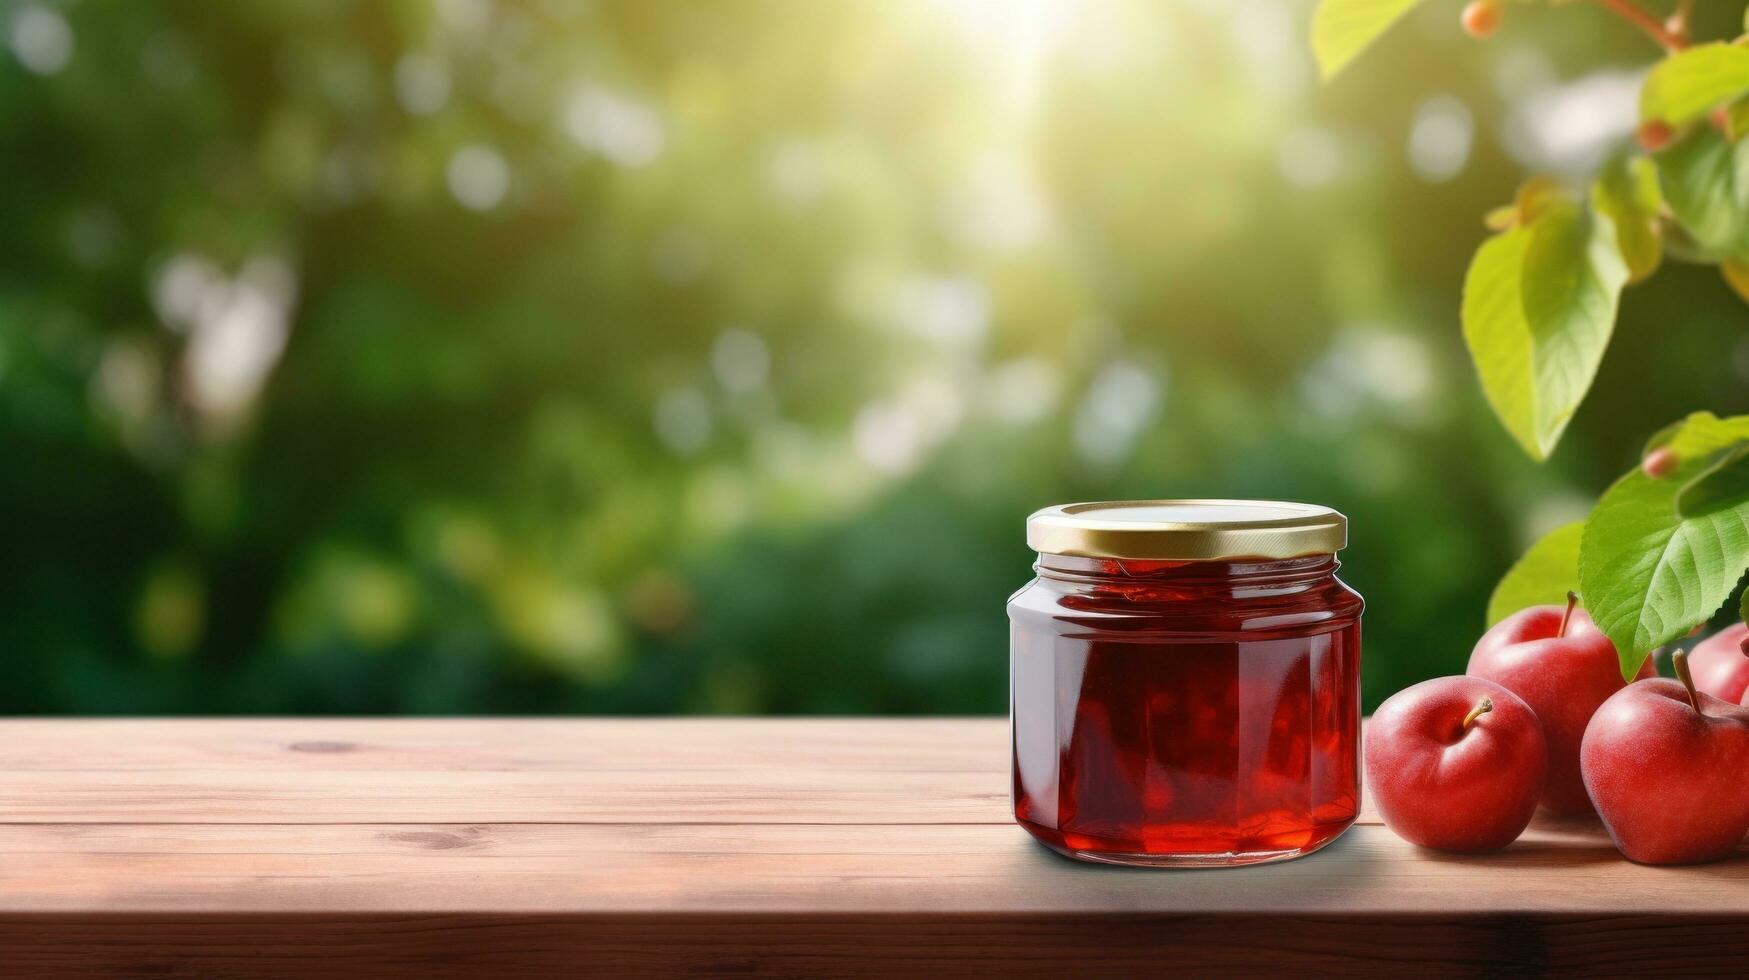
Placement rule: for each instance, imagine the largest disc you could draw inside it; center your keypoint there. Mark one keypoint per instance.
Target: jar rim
(1187, 529)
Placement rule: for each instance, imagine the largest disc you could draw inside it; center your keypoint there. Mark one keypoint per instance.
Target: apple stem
(1679, 660)
(1482, 707)
(1567, 617)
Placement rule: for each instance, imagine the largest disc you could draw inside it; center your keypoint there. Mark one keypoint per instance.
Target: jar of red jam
(1186, 682)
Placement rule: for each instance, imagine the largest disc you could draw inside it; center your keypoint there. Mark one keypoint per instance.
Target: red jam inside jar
(1186, 683)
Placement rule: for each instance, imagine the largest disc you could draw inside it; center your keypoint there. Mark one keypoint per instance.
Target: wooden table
(807, 847)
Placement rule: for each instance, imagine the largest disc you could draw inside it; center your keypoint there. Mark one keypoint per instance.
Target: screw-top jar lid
(1187, 530)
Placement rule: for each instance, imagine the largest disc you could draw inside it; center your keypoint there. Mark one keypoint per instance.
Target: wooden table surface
(800, 847)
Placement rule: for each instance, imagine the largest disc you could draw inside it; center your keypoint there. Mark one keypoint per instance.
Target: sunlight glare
(1017, 37)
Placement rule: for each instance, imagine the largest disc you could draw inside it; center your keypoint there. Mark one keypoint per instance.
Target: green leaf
(1723, 484)
(1627, 193)
(1689, 84)
(1499, 337)
(1650, 574)
(1536, 192)
(1706, 183)
(1736, 273)
(1737, 120)
(1539, 307)
(1342, 29)
(1662, 437)
(1546, 573)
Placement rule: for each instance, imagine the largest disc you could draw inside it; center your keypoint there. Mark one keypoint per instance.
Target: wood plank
(823, 847)
(504, 770)
(1301, 945)
(400, 796)
(702, 770)
(801, 870)
(502, 744)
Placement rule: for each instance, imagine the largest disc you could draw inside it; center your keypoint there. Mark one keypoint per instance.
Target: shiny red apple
(1562, 665)
(1455, 763)
(1720, 666)
(1668, 768)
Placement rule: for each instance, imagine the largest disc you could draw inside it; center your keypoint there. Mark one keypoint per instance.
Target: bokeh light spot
(740, 360)
(683, 420)
(421, 83)
(1440, 138)
(41, 39)
(478, 177)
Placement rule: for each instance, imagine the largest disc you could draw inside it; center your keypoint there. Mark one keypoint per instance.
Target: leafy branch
(1672, 34)
(1668, 542)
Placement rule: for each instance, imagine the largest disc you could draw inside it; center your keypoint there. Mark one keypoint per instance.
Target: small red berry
(1721, 119)
(1482, 18)
(1654, 135)
(1659, 463)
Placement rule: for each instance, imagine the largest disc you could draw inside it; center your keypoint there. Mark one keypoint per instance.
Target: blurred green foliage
(707, 357)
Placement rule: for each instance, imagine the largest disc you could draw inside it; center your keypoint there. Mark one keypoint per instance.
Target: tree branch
(1647, 22)
(1681, 20)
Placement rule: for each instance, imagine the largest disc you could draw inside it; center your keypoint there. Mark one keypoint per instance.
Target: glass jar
(1185, 682)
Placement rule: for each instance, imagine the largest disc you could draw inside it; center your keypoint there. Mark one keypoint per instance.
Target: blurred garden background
(675, 356)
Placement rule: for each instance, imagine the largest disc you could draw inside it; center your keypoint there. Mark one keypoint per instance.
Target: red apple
(1720, 666)
(1481, 18)
(1659, 463)
(1455, 763)
(1665, 765)
(1563, 666)
(1654, 135)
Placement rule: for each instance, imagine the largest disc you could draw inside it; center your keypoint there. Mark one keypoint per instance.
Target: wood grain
(795, 870)
(730, 944)
(808, 847)
(505, 771)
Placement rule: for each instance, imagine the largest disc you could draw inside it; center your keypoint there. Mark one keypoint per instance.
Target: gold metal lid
(1187, 530)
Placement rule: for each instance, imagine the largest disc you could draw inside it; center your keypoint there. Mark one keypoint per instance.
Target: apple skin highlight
(1443, 785)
